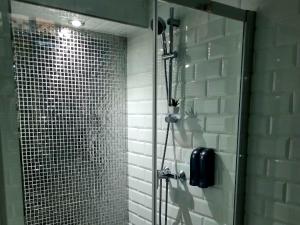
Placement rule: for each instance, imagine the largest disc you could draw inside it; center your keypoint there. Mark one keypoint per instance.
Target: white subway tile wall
(273, 166)
(206, 80)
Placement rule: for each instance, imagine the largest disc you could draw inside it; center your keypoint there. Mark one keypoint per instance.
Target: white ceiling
(61, 17)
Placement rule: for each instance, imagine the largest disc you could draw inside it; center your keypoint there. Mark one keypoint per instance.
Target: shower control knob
(181, 175)
(167, 174)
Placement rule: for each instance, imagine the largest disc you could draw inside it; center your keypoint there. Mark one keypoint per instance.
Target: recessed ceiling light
(76, 23)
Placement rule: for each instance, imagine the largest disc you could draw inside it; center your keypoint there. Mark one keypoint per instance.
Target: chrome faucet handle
(181, 175)
(167, 170)
(167, 174)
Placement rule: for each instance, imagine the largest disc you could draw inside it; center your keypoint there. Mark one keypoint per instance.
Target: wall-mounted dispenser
(202, 167)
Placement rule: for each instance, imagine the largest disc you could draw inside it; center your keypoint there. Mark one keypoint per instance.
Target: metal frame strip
(244, 105)
(213, 7)
(154, 114)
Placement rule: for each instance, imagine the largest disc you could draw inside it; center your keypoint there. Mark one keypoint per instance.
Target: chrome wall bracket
(172, 118)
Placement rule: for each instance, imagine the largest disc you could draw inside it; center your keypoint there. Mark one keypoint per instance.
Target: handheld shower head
(161, 25)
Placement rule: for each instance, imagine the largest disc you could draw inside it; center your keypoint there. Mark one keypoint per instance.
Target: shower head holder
(172, 118)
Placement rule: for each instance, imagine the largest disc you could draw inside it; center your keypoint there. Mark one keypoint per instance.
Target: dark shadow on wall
(220, 197)
(184, 200)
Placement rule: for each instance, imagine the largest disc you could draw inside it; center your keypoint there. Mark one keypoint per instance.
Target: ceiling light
(76, 23)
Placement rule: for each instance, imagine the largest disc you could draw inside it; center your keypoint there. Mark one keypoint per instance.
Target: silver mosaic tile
(71, 89)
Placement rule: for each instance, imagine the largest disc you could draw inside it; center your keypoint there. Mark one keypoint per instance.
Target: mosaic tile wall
(72, 114)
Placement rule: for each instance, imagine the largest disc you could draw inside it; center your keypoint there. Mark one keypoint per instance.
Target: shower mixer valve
(167, 174)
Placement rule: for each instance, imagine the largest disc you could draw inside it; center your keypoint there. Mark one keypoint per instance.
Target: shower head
(161, 25)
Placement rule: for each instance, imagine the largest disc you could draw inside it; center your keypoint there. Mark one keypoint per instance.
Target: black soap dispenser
(202, 167)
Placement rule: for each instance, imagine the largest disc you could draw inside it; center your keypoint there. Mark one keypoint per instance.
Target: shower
(168, 56)
(104, 131)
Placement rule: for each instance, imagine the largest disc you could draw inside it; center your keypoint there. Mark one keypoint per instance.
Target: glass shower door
(201, 106)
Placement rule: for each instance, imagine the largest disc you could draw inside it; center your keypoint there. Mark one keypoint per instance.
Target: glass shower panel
(71, 72)
(206, 55)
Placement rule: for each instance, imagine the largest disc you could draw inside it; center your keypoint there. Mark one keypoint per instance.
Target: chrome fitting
(167, 174)
(172, 118)
(169, 55)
